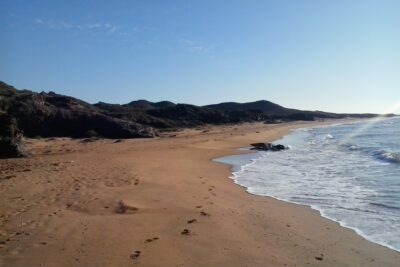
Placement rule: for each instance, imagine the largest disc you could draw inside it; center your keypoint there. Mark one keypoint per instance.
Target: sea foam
(356, 183)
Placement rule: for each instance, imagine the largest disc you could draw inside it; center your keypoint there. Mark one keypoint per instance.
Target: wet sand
(161, 202)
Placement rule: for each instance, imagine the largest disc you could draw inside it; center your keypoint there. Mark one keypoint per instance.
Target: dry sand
(128, 203)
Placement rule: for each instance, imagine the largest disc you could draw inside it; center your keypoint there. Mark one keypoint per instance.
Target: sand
(161, 202)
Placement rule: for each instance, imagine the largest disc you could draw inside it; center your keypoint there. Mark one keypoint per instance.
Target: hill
(50, 114)
(261, 105)
(33, 114)
(144, 104)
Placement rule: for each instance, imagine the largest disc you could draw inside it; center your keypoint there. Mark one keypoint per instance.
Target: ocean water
(348, 172)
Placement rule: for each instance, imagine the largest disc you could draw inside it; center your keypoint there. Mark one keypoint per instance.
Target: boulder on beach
(268, 147)
(10, 138)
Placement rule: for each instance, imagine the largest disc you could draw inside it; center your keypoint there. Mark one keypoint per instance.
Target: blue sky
(340, 56)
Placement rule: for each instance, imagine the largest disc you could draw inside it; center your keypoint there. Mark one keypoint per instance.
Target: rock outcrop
(52, 115)
(268, 147)
(10, 138)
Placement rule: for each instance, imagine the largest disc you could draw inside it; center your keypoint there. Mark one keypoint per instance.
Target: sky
(338, 56)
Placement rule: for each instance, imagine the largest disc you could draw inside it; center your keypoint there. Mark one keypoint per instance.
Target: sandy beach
(161, 202)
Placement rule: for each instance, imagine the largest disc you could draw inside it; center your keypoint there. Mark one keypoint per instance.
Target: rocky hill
(23, 112)
(50, 114)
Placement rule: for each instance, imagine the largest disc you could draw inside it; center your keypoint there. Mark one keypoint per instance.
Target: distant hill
(261, 105)
(144, 104)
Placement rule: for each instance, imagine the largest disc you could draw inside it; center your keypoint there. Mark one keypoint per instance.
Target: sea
(349, 172)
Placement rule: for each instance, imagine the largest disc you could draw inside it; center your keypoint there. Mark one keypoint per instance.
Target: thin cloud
(194, 46)
(62, 25)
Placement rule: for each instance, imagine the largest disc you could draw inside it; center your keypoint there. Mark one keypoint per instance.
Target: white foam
(389, 156)
(340, 184)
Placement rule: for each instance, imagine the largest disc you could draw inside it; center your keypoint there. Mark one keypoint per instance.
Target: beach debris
(320, 258)
(185, 232)
(268, 147)
(124, 208)
(192, 221)
(135, 254)
(118, 141)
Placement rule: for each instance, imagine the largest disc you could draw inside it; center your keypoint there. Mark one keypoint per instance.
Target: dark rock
(10, 138)
(279, 147)
(10, 148)
(268, 147)
(261, 146)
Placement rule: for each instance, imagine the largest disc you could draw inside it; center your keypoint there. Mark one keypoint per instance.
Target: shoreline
(321, 212)
(341, 224)
(71, 191)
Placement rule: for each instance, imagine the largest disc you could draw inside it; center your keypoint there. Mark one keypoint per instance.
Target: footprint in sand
(185, 232)
(203, 213)
(135, 255)
(151, 239)
(320, 258)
